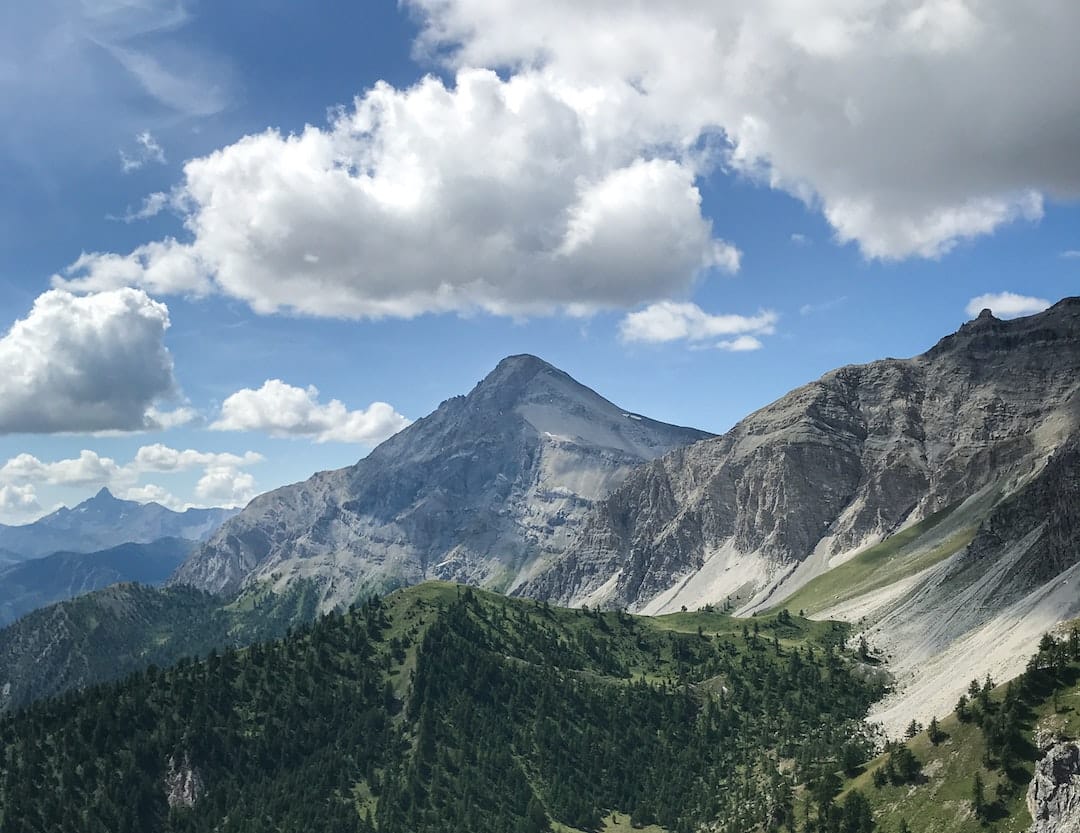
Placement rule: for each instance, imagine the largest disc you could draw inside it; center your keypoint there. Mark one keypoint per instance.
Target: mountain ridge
(481, 490)
(105, 521)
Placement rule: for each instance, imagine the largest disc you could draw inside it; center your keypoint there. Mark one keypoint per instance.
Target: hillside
(485, 490)
(110, 633)
(38, 582)
(445, 708)
(1005, 735)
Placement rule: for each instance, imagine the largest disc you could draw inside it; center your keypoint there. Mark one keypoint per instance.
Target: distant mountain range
(105, 521)
(38, 582)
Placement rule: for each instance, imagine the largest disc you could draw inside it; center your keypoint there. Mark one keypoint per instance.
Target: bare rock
(1053, 797)
(183, 784)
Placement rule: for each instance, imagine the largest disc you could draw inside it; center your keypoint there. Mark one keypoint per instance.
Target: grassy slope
(897, 557)
(941, 802)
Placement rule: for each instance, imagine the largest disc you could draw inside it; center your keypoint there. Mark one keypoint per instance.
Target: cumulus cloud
(225, 486)
(510, 196)
(22, 473)
(673, 321)
(93, 363)
(18, 503)
(161, 458)
(1006, 304)
(742, 344)
(88, 469)
(283, 410)
(909, 123)
(146, 150)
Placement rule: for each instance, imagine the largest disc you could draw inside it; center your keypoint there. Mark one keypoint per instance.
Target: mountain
(443, 708)
(942, 489)
(484, 490)
(111, 633)
(104, 521)
(31, 584)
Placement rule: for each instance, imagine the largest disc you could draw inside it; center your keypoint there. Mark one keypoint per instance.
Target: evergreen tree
(978, 799)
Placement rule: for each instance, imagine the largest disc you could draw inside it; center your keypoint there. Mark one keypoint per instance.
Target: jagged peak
(1061, 320)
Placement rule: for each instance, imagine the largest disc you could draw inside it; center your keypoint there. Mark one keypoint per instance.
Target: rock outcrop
(183, 784)
(484, 490)
(1053, 797)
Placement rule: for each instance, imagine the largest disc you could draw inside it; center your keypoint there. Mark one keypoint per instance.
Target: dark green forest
(442, 708)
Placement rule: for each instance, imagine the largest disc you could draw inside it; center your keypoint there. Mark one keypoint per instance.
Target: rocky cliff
(1053, 797)
(839, 465)
(483, 490)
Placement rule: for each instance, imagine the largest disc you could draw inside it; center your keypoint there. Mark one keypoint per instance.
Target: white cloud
(18, 503)
(1071, 254)
(909, 124)
(80, 364)
(513, 197)
(163, 267)
(742, 344)
(283, 410)
(224, 481)
(88, 469)
(673, 321)
(164, 420)
(152, 205)
(1006, 304)
(146, 150)
(224, 486)
(161, 458)
(798, 239)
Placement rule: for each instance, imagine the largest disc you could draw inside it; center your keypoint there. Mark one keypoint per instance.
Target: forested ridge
(442, 708)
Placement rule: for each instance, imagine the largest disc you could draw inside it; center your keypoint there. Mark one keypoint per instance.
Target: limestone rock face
(842, 463)
(183, 783)
(484, 490)
(1053, 797)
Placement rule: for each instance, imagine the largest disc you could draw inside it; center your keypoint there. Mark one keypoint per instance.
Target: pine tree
(934, 731)
(978, 798)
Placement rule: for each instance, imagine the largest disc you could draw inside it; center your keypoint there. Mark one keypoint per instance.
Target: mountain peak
(103, 496)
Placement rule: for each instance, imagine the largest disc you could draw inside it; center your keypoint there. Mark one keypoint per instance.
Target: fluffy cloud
(513, 197)
(741, 344)
(672, 321)
(18, 502)
(286, 411)
(569, 181)
(910, 124)
(222, 483)
(93, 363)
(88, 469)
(224, 486)
(1006, 304)
(161, 458)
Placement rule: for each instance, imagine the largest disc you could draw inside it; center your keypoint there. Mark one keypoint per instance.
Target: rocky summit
(487, 489)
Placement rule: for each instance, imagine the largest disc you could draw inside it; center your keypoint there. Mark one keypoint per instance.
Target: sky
(243, 242)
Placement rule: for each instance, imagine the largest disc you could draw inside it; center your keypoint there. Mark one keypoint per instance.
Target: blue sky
(637, 200)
